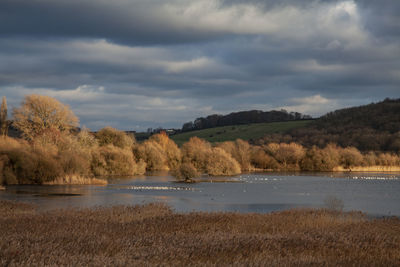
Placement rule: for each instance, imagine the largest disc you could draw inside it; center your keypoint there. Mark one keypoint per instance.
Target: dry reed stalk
(153, 234)
(77, 180)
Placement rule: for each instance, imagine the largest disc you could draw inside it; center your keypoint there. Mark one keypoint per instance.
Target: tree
(350, 156)
(3, 118)
(109, 135)
(289, 155)
(39, 114)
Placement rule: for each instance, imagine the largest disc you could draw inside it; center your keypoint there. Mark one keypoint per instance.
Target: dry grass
(369, 169)
(154, 235)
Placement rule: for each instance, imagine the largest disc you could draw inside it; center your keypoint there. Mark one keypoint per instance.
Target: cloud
(177, 21)
(138, 64)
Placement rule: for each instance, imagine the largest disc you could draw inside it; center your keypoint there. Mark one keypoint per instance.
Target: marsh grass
(77, 180)
(154, 235)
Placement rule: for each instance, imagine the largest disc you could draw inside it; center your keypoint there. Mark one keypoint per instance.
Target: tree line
(242, 117)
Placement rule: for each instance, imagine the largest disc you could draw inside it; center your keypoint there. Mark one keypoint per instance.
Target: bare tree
(39, 114)
(3, 118)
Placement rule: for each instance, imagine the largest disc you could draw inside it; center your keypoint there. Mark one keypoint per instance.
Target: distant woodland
(242, 117)
(373, 127)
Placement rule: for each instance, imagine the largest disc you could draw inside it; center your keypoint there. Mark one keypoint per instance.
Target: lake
(377, 194)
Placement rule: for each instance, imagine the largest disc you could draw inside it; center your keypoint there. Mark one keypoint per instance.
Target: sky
(135, 64)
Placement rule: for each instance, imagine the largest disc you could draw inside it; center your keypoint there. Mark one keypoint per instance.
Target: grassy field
(245, 132)
(153, 235)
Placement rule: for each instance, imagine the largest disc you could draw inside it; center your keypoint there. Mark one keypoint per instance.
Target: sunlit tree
(39, 114)
(111, 136)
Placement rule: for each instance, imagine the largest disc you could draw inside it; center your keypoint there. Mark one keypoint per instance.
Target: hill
(370, 127)
(246, 132)
(243, 117)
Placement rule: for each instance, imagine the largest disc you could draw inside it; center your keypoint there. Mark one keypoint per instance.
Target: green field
(245, 131)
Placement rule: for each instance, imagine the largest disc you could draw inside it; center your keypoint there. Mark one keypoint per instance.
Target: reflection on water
(141, 188)
(374, 193)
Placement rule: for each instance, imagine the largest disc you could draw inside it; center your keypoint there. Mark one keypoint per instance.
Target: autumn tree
(350, 157)
(196, 151)
(153, 154)
(170, 149)
(40, 114)
(288, 155)
(240, 150)
(111, 136)
(317, 159)
(3, 118)
(220, 163)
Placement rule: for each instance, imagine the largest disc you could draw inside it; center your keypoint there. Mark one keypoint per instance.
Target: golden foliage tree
(350, 157)
(261, 160)
(317, 159)
(196, 151)
(152, 153)
(288, 155)
(169, 148)
(39, 114)
(240, 150)
(221, 163)
(207, 159)
(111, 136)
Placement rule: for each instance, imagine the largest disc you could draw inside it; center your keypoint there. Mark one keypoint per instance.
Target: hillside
(245, 132)
(371, 127)
(243, 117)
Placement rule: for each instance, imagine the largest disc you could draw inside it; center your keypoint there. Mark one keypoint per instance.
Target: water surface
(374, 193)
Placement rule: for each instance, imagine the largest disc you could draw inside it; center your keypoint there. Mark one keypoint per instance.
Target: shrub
(186, 172)
(260, 159)
(86, 139)
(370, 159)
(153, 155)
(196, 151)
(140, 167)
(52, 142)
(388, 159)
(75, 163)
(288, 155)
(317, 159)
(240, 150)
(220, 163)
(111, 160)
(29, 166)
(169, 149)
(350, 156)
(111, 136)
(47, 169)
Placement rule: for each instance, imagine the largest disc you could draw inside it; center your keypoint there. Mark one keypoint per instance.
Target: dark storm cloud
(133, 22)
(382, 17)
(139, 64)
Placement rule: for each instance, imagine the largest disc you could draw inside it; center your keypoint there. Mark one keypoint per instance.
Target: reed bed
(77, 180)
(153, 234)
